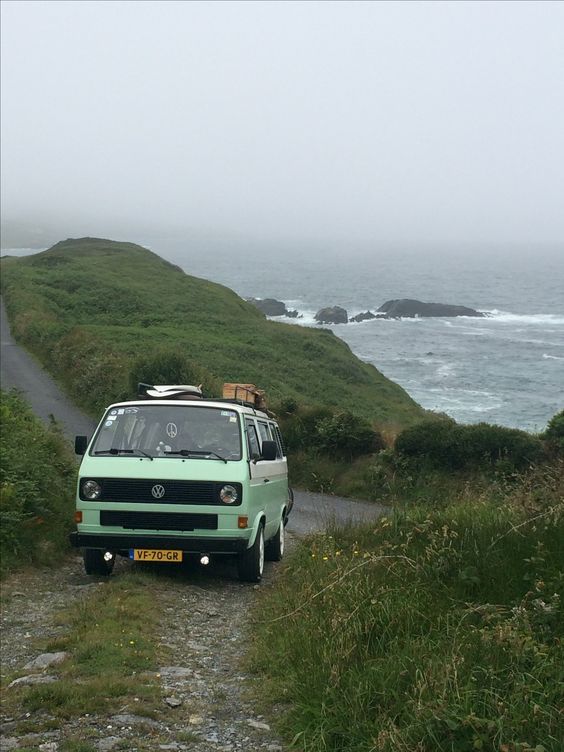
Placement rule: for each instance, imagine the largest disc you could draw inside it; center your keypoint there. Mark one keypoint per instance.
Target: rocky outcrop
(272, 307)
(406, 308)
(366, 316)
(333, 315)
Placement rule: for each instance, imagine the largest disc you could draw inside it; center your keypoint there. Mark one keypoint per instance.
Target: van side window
(279, 440)
(263, 431)
(254, 449)
(274, 436)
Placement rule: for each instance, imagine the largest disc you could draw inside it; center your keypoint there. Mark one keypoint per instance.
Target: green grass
(88, 308)
(112, 656)
(431, 631)
(37, 475)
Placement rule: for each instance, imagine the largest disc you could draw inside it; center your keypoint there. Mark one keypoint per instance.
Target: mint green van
(163, 479)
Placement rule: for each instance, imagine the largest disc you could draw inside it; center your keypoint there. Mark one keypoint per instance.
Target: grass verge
(431, 631)
(37, 475)
(112, 659)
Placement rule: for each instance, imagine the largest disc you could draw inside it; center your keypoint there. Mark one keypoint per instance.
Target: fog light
(78, 517)
(204, 560)
(108, 556)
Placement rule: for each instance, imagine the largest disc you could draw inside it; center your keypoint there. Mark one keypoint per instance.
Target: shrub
(337, 434)
(453, 447)
(554, 433)
(346, 435)
(36, 486)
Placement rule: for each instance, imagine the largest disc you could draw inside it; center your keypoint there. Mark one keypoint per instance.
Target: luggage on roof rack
(245, 393)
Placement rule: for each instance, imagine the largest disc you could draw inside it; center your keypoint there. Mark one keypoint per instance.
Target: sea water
(506, 368)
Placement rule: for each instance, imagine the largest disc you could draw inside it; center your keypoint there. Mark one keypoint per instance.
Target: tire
(274, 550)
(94, 562)
(290, 505)
(251, 562)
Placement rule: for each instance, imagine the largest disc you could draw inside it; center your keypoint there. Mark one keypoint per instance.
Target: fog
(325, 123)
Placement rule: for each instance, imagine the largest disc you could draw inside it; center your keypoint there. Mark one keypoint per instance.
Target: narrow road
(201, 610)
(20, 370)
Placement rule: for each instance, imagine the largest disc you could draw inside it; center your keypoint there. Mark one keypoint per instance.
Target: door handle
(267, 480)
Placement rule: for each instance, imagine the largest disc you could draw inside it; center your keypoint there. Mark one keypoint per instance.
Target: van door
(277, 474)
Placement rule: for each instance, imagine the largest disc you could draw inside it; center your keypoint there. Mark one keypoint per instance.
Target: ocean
(506, 369)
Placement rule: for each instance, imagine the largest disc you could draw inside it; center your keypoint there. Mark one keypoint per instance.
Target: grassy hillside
(89, 307)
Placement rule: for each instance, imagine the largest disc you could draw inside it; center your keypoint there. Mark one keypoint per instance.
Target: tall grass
(429, 631)
(37, 475)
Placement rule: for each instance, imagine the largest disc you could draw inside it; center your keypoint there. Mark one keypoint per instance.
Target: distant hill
(88, 307)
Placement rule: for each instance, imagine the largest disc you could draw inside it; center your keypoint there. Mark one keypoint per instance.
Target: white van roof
(238, 406)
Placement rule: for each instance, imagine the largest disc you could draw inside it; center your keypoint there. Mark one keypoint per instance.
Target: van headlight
(228, 494)
(91, 490)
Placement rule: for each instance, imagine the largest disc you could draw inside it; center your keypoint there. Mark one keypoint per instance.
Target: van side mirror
(80, 444)
(269, 450)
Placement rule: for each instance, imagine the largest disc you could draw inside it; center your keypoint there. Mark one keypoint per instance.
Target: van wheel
(94, 562)
(251, 562)
(274, 550)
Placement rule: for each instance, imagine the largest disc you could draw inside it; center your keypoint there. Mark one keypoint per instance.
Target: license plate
(153, 554)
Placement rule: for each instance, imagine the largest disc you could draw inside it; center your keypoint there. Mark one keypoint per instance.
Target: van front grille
(158, 520)
(139, 491)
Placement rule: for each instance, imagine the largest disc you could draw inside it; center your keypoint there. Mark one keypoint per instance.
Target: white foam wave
(532, 318)
(546, 356)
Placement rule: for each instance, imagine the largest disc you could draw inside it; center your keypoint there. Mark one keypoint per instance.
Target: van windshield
(170, 431)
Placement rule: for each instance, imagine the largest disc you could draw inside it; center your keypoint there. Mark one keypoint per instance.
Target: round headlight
(91, 489)
(228, 495)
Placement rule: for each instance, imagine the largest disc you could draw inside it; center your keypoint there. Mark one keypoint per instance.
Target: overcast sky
(385, 122)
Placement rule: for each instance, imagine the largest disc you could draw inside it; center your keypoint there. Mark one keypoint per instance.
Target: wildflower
(325, 558)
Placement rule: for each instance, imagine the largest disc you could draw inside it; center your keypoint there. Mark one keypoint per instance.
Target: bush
(37, 476)
(346, 435)
(554, 433)
(171, 367)
(454, 447)
(337, 434)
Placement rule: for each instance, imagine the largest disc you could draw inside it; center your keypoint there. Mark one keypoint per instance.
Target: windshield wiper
(115, 450)
(201, 452)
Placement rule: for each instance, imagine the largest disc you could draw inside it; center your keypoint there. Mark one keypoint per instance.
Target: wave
(524, 318)
(546, 356)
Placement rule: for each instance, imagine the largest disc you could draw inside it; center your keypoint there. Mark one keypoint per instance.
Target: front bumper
(119, 542)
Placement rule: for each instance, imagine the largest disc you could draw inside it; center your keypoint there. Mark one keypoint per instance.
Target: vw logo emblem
(158, 491)
(171, 430)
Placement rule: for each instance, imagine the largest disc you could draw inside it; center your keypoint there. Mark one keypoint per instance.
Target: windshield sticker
(225, 413)
(121, 411)
(113, 412)
(129, 410)
(233, 420)
(109, 423)
(171, 430)
(111, 417)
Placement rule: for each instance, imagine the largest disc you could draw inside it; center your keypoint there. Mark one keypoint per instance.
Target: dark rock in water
(272, 307)
(406, 308)
(366, 316)
(334, 315)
